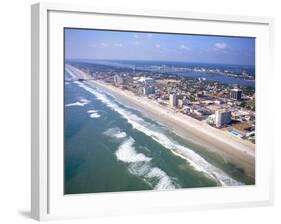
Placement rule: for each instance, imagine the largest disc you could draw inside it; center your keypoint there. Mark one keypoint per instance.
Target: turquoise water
(111, 147)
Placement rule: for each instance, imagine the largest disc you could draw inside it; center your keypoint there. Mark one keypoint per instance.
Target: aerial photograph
(157, 111)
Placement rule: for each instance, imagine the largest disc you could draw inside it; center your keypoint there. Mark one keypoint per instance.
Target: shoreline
(238, 151)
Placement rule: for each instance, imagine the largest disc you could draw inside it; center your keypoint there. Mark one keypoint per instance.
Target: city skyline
(126, 45)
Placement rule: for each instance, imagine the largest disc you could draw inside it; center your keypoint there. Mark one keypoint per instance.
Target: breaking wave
(140, 165)
(194, 159)
(80, 103)
(127, 153)
(93, 114)
(115, 132)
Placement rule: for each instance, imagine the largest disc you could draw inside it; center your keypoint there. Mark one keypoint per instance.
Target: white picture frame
(47, 200)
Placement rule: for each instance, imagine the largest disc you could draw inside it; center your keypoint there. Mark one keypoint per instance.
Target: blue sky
(98, 44)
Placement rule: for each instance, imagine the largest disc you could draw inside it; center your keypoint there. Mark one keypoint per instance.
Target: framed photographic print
(148, 111)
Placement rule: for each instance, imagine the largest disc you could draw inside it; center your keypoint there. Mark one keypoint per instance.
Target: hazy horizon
(164, 61)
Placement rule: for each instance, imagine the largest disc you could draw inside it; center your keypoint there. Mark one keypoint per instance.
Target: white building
(180, 103)
(148, 90)
(222, 118)
(173, 100)
(118, 80)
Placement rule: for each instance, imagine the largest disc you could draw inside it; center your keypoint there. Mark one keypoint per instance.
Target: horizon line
(148, 60)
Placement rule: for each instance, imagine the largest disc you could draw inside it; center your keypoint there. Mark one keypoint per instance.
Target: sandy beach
(238, 151)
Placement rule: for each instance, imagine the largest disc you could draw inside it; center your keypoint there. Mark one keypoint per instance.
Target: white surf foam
(85, 101)
(139, 165)
(81, 103)
(93, 114)
(115, 132)
(127, 153)
(92, 111)
(194, 159)
(164, 181)
(120, 135)
(78, 103)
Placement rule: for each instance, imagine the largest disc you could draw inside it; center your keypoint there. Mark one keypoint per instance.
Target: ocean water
(110, 146)
(219, 78)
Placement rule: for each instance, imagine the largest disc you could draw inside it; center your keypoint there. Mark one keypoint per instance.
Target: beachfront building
(180, 103)
(118, 80)
(236, 94)
(183, 102)
(173, 100)
(147, 90)
(222, 118)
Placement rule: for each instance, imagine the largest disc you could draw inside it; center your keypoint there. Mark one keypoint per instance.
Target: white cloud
(184, 47)
(103, 44)
(221, 45)
(158, 46)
